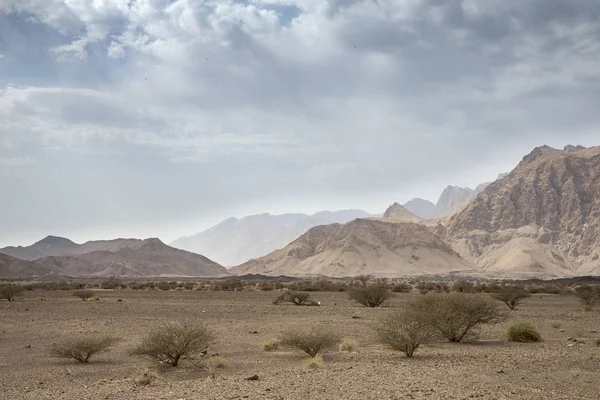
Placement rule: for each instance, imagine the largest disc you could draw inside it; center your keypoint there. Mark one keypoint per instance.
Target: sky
(160, 118)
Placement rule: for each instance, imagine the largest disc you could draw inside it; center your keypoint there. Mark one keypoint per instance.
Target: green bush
(511, 296)
(523, 332)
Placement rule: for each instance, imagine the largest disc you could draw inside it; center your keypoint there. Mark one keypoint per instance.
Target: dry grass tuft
(349, 345)
(271, 345)
(313, 362)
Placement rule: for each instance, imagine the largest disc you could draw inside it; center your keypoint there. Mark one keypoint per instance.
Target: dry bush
(511, 296)
(402, 288)
(84, 294)
(112, 283)
(370, 295)
(588, 295)
(311, 341)
(10, 291)
(455, 315)
(271, 345)
(169, 343)
(463, 287)
(82, 348)
(426, 287)
(296, 298)
(405, 330)
(524, 332)
(349, 345)
(313, 362)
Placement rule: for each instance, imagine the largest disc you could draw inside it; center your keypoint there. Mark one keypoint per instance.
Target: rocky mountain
(399, 213)
(151, 258)
(59, 246)
(362, 246)
(451, 199)
(234, 241)
(542, 218)
(11, 267)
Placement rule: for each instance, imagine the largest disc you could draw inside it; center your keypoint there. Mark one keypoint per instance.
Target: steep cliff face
(552, 197)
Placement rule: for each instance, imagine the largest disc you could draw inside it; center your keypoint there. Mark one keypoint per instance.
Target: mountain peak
(397, 211)
(54, 240)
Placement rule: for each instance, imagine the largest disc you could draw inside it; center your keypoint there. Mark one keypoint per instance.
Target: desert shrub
(84, 294)
(588, 295)
(112, 283)
(313, 362)
(82, 348)
(455, 315)
(217, 362)
(10, 291)
(405, 330)
(349, 345)
(402, 288)
(228, 286)
(189, 285)
(463, 287)
(311, 341)
(426, 287)
(166, 286)
(524, 332)
(318, 285)
(271, 345)
(169, 343)
(370, 295)
(546, 288)
(588, 308)
(296, 298)
(511, 296)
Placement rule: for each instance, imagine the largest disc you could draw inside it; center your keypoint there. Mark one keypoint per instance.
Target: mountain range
(235, 241)
(541, 220)
(54, 256)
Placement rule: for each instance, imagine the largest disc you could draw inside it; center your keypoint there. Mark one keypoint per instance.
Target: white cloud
(16, 162)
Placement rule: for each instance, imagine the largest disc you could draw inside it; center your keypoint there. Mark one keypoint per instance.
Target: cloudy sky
(161, 117)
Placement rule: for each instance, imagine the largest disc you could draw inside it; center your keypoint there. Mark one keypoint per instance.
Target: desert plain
(565, 365)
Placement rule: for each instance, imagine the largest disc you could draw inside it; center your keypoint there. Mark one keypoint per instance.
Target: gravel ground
(490, 368)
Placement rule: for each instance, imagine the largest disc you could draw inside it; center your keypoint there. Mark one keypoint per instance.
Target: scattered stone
(500, 371)
(571, 345)
(251, 378)
(355, 317)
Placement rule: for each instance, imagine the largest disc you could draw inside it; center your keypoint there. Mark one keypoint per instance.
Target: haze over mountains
(541, 220)
(119, 257)
(235, 241)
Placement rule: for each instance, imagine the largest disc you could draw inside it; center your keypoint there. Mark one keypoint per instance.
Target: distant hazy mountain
(11, 267)
(235, 241)
(59, 246)
(150, 258)
(451, 199)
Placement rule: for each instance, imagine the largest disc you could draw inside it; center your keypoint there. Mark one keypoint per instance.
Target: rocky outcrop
(552, 198)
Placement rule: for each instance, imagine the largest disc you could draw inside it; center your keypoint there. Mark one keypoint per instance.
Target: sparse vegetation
(271, 345)
(589, 295)
(456, 315)
(597, 342)
(313, 362)
(511, 296)
(311, 341)
(370, 294)
(10, 291)
(523, 332)
(463, 287)
(349, 345)
(82, 348)
(84, 294)
(405, 330)
(169, 343)
(296, 298)
(402, 288)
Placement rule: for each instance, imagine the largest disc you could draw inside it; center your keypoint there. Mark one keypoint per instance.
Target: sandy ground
(490, 369)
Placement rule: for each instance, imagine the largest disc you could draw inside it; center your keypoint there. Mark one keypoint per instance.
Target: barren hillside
(362, 246)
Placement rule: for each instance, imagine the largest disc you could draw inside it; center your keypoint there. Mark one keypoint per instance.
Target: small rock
(355, 317)
(500, 371)
(571, 345)
(251, 378)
